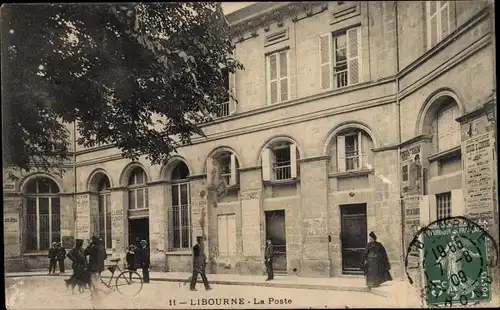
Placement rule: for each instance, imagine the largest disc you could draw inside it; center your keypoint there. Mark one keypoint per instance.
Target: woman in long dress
(375, 263)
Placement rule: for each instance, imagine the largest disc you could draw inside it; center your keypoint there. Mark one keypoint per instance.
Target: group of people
(57, 254)
(88, 272)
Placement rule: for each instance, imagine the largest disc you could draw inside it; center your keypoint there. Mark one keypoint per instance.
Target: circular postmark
(453, 256)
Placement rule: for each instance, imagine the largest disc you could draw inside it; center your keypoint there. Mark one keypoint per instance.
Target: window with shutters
(104, 206)
(43, 214)
(226, 234)
(353, 150)
(279, 162)
(438, 21)
(180, 213)
(448, 129)
(278, 81)
(443, 205)
(340, 59)
(228, 167)
(137, 190)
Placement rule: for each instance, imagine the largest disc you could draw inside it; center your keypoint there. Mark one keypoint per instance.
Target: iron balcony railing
(282, 170)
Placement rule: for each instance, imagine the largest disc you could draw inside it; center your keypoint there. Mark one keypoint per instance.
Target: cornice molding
(424, 138)
(312, 159)
(240, 29)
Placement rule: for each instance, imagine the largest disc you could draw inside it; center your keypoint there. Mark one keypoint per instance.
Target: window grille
(443, 205)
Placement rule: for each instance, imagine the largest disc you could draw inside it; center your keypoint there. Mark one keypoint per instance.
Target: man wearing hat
(144, 259)
(268, 256)
(61, 255)
(53, 258)
(79, 263)
(97, 255)
(199, 261)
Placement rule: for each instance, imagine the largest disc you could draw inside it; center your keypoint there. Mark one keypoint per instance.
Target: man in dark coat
(199, 262)
(61, 255)
(131, 259)
(268, 256)
(53, 258)
(97, 256)
(375, 263)
(79, 263)
(144, 260)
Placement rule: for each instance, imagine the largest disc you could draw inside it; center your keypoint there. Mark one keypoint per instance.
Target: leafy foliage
(141, 77)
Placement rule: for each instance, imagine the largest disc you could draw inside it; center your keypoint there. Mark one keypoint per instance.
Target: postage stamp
(455, 260)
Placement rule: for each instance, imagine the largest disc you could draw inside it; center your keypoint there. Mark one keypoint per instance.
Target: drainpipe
(398, 121)
(493, 42)
(74, 177)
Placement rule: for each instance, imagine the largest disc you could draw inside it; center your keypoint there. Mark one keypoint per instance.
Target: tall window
(448, 129)
(351, 151)
(181, 211)
(279, 162)
(438, 21)
(278, 84)
(228, 167)
(340, 58)
(104, 227)
(226, 234)
(43, 214)
(137, 190)
(443, 205)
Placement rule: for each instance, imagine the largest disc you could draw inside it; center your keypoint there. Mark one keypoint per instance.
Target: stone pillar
(119, 221)
(200, 212)
(157, 226)
(252, 217)
(14, 225)
(314, 215)
(384, 215)
(68, 220)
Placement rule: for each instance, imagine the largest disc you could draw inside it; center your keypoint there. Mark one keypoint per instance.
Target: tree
(141, 77)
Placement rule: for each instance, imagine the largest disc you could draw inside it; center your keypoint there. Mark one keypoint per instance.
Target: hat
(144, 242)
(199, 238)
(372, 234)
(54, 243)
(268, 238)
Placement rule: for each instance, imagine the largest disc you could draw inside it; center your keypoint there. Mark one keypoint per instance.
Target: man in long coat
(375, 263)
(199, 262)
(268, 256)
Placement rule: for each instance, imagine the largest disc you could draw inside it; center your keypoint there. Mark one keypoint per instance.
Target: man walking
(79, 263)
(144, 260)
(53, 258)
(268, 256)
(97, 256)
(199, 261)
(61, 255)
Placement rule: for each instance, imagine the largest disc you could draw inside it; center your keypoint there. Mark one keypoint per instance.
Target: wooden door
(275, 228)
(353, 237)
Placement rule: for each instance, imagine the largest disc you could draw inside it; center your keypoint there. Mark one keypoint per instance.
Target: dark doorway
(138, 229)
(353, 237)
(275, 229)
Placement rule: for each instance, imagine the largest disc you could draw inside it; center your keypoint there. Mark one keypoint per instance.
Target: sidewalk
(356, 284)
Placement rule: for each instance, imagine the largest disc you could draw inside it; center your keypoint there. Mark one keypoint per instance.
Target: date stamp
(454, 260)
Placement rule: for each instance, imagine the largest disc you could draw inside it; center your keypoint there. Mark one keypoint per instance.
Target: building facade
(351, 117)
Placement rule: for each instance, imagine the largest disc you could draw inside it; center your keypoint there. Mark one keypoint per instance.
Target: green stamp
(456, 265)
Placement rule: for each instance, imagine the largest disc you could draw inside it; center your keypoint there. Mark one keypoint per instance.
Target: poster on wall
(411, 170)
(479, 174)
(11, 234)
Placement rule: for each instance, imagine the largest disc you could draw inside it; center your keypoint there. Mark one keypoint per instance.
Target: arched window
(228, 167)
(104, 203)
(353, 150)
(181, 211)
(43, 214)
(137, 190)
(279, 161)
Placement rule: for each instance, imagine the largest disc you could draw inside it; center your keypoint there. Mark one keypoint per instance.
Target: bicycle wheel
(129, 283)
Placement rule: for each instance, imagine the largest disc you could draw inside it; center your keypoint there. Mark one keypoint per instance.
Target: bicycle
(126, 279)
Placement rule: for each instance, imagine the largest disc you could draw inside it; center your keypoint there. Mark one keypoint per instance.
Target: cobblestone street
(49, 293)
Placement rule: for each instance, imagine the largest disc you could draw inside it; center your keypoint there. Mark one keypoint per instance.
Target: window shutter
(353, 55)
(361, 154)
(231, 234)
(234, 172)
(455, 127)
(222, 234)
(424, 210)
(232, 87)
(293, 160)
(444, 15)
(283, 75)
(433, 208)
(457, 202)
(341, 153)
(266, 164)
(432, 23)
(273, 78)
(210, 168)
(325, 60)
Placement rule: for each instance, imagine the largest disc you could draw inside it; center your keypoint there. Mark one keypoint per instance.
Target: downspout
(74, 177)
(398, 121)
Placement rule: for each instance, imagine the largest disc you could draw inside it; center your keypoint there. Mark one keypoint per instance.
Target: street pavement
(49, 292)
